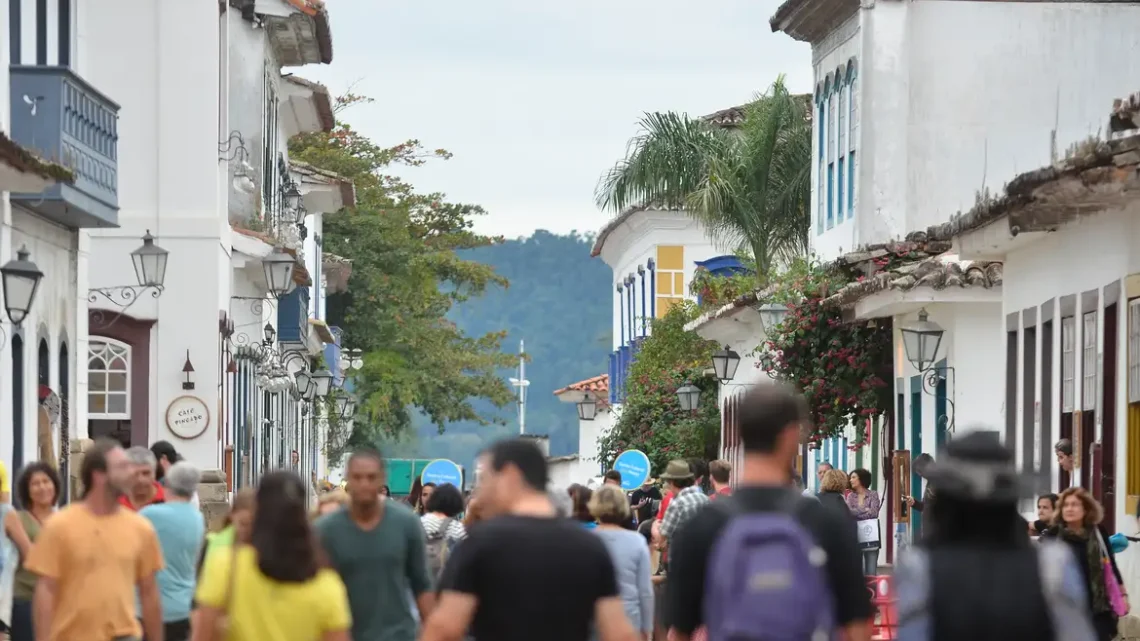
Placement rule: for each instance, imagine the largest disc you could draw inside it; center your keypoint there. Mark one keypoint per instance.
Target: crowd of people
(517, 561)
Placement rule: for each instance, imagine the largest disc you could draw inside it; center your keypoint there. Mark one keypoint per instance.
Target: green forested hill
(560, 302)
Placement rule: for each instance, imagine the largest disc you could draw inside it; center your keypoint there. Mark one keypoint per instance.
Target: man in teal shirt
(378, 548)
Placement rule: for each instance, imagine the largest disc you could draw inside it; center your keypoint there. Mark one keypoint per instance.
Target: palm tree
(751, 187)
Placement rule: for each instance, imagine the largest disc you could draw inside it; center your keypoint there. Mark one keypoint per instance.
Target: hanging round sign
(634, 468)
(441, 471)
(187, 417)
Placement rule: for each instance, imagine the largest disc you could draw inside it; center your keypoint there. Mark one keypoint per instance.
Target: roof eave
(811, 20)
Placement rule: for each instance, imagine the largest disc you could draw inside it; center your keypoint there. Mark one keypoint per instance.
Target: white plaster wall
(168, 183)
(1058, 265)
(563, 473)
(636, 241)
(839, 47)
(588, 434)
(974, 345)
(959, 97)
(52, 317)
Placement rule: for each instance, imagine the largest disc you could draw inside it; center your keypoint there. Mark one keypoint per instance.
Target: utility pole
(521, 384)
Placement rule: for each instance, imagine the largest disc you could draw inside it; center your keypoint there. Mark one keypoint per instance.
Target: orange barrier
(885, 621)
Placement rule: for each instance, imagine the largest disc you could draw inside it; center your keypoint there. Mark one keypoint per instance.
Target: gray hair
(182, 479)
(139, 455)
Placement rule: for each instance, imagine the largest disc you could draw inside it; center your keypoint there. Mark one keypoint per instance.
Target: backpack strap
(444, 526)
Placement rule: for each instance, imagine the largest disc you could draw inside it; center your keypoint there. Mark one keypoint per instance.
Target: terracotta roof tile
(597, 384)
(937, 273)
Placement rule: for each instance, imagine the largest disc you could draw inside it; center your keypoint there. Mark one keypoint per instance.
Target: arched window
(43, 360)
(17, 402)
(108, 379)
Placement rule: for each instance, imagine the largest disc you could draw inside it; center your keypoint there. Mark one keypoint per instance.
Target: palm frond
(662, 165)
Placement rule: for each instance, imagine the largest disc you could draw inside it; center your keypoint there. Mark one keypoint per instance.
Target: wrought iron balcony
(63, 119)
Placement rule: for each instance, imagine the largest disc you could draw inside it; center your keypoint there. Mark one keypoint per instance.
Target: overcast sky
(537, 99)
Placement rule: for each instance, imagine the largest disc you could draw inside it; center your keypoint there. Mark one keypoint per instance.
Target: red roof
(599, 384)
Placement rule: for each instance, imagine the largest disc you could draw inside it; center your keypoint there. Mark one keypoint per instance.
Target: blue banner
(634, 468)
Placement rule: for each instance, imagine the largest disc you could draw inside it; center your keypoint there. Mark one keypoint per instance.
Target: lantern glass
(587, 408)
(772, 315)
(150, 262)
(921, 341)
(292, 195)
(21, 281)
(270, 334)
(278, 267)
(322, 378)
(689, 396)
(304, 382)
(725, 362)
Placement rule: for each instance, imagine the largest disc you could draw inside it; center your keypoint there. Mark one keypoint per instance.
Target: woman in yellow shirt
(278, 587)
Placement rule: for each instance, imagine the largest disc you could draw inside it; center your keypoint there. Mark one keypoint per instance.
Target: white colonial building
(207, 355)
(595, 418)
(51, 109)
(922, 109)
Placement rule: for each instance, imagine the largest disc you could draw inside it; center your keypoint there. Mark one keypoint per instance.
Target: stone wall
(213, 498)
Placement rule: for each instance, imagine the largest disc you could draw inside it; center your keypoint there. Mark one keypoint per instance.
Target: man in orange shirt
(143, 489)
(92, 556)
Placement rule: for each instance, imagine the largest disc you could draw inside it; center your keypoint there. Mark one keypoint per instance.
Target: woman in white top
(444, 505)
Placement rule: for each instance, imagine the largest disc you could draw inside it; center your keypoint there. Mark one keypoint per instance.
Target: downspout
(641, 273)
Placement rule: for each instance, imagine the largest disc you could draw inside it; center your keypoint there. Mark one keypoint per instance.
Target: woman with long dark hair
(976, 575)
(286, 592)
(37, 490)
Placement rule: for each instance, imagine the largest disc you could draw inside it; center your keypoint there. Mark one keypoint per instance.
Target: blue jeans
(870, 562)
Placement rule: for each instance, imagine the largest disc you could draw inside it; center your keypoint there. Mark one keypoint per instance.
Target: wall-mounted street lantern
(304, 383)
(689, 396)
(921, 341)
(587, 408)
(279, 266)
(293, 200)
(345, 406)
(725, 362)
(149, 262)
(188, 371)
(270, 333)
(322, 379)
(772, 315)
(21, 281)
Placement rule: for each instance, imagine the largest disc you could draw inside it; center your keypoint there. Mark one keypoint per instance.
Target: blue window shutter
(830, 189)
(839, 192)
(851, 185)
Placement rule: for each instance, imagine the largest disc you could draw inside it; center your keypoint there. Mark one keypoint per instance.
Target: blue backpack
(767, 580)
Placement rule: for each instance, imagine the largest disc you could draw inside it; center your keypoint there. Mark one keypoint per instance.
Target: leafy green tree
(651, 417)
(406, 276)
(751, 188)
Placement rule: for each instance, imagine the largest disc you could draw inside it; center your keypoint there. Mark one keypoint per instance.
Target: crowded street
(450, 321)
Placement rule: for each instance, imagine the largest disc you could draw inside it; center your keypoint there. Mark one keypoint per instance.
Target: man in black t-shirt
(525, 574)
(770, 420)
(642, 500)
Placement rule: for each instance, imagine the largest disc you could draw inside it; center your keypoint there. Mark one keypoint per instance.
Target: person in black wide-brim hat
(976, 575)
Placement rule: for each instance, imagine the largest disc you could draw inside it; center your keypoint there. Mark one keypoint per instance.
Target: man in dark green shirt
(378, 548)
